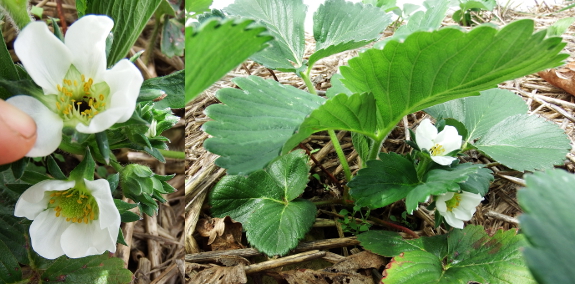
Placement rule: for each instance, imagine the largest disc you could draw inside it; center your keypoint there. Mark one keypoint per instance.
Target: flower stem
(152, 42)
(395, 226)
(173, 154)
(308, 83)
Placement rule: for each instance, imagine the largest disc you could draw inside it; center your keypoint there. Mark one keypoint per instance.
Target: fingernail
(17, 120)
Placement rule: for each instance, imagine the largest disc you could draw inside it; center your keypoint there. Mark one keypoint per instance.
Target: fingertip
(17, 133)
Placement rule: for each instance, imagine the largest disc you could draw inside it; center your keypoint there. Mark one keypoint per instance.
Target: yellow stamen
(101, 97)
(79, 201)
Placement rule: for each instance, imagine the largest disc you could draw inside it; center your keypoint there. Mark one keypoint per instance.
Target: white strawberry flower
(79, 92)
(438, 144)
(75, 218)
(457, 207)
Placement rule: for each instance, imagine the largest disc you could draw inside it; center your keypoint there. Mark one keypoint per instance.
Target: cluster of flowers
(455, 207)
(76, 217)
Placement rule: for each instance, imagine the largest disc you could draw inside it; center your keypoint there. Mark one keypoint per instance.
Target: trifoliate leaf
(472, 256)
(355, 113)
(383, 181)
(266, 203)
(548, 224)
(216, 48)
(252, 126)
(433, 67)
(339, 25)
(285, 22)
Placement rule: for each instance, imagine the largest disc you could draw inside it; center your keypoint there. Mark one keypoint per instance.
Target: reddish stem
(333, 179)
(394, 226)
(61, 15)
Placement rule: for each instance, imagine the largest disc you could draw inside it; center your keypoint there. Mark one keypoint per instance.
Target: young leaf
(130, 18)
(285, 22)
(254, 124)
(420, 21)
(548, 225)
(472, 256)
(433, 67)
(524, 142)
(216, 48)
(339, 25)
(266, 203)
(355, 113)
(105, 268)
(383, 181)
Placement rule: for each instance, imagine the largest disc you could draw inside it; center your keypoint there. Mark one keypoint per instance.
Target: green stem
(72, 148)
(308, 83)
(116, 166)
(423, 166)
(340, 155)
(328, 202)
(152, 42)
(173, 154)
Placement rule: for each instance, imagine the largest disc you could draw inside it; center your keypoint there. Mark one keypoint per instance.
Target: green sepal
(86, 168)
(121, 239)
(103, 146)
(57, 31)
(54, 169)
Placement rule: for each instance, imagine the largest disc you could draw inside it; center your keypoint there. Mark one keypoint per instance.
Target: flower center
(453, 202)
(74, 205)
(79, 99)
(437, 150)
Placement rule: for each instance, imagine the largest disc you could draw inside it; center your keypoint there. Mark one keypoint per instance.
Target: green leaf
(7, 68)
(173, 40)
(524, 142)
(252, 125)
(10, 271)
(477, 4)
(337, 87)
(130, 18)
(420, 21)
(85, 169)
(479, 114)
(548, 225)
(559, 27)
(198, 6)
(54, 169)
(383, 181)
(26, 86)
(361, 144)
(92, 269)
(81, 8)
(442, 180)
(339, 25)
(266, 203)
(390, 244)
(429, 68)
(472, 256)
(355, 113)
(216, 48)
(285, 22)
(172, 85)
(18, 167)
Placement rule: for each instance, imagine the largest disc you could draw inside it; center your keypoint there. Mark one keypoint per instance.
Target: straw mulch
(499, 210)
(155, 252)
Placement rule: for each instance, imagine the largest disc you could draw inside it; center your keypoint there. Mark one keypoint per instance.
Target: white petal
(125, 81)
(101, 121)
(425, 134)
(109, 216)
(453, 221)
(81, 240)
(86, 39)
(33, 201)
(48, 124)
(449, 139)
(463, 213)
(443, 160)
(44, 56)
(46, 232)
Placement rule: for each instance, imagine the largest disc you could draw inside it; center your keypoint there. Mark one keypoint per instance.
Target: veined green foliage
(429, 68)
(217, 47)
(266, 203)
(548, 224)
(464, 255)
